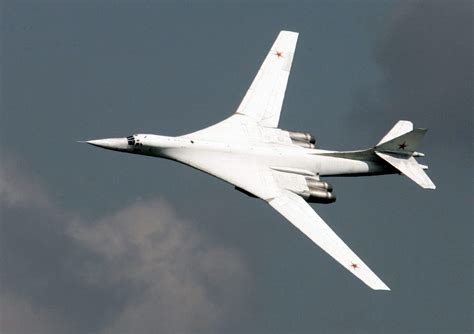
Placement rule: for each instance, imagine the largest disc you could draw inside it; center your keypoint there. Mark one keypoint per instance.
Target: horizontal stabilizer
(409, 167)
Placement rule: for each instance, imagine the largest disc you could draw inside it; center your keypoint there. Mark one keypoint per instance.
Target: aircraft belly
(243, 170)
(330, 166)
(243, 166)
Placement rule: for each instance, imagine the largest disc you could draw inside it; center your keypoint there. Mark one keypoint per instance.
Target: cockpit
(131, 140)
(134, 141)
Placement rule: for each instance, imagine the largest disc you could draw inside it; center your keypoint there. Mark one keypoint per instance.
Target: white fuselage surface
(217, 158)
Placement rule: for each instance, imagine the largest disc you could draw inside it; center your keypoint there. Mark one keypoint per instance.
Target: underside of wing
(271, 185)
(264, 99)
(300, 214)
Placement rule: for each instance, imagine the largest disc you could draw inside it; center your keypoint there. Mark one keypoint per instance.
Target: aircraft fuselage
(203, 155)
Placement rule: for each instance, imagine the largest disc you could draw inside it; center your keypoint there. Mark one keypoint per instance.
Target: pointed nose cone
(117, 144)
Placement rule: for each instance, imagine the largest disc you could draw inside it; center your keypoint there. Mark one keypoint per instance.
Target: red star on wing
(402, 145)
(279, 54)
(354, 266)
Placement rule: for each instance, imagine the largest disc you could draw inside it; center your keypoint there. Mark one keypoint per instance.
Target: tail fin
(399, 129)
(398, 148)
(404, 144)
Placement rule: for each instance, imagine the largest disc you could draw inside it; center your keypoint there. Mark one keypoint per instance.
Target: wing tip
(380, 286)
(373, 281)
(383, 288)
(288, 32)
(427, 183)
(405, 122)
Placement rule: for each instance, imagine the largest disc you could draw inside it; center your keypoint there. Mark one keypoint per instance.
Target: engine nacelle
(316, 183)
(302, 137)
(318, 191)
(318, 195)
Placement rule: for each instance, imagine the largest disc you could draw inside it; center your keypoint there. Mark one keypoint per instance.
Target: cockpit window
(131, 140)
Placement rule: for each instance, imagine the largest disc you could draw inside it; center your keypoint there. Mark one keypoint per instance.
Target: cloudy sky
(93, 241)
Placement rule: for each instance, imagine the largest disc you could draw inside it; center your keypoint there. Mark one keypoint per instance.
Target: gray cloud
(15, 190)
(20, 316)
(183, 284)
(425, 55)
(141, 269)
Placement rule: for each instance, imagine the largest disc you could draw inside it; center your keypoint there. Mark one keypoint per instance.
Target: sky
(93, 241)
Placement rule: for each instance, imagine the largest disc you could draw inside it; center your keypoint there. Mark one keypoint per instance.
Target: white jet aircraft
(283, 168)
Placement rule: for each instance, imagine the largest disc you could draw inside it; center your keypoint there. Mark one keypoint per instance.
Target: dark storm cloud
(141, 269)
(425, 54)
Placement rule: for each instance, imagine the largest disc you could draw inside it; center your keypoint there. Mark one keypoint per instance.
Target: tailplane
(398, 148)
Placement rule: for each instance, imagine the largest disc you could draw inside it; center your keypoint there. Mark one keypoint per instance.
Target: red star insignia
(402, 145)
(354, 265)
(279, 54)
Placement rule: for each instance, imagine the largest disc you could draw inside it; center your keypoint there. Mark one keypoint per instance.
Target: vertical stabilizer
(399, 129)
(405, 144)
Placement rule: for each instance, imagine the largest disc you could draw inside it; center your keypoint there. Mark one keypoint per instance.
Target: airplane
(284, 168)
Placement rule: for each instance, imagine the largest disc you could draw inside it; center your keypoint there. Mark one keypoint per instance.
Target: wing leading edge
(300, 214)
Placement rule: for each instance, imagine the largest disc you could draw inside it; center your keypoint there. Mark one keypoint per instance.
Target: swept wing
(261, 105)
(264, 99)
(300, 214)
